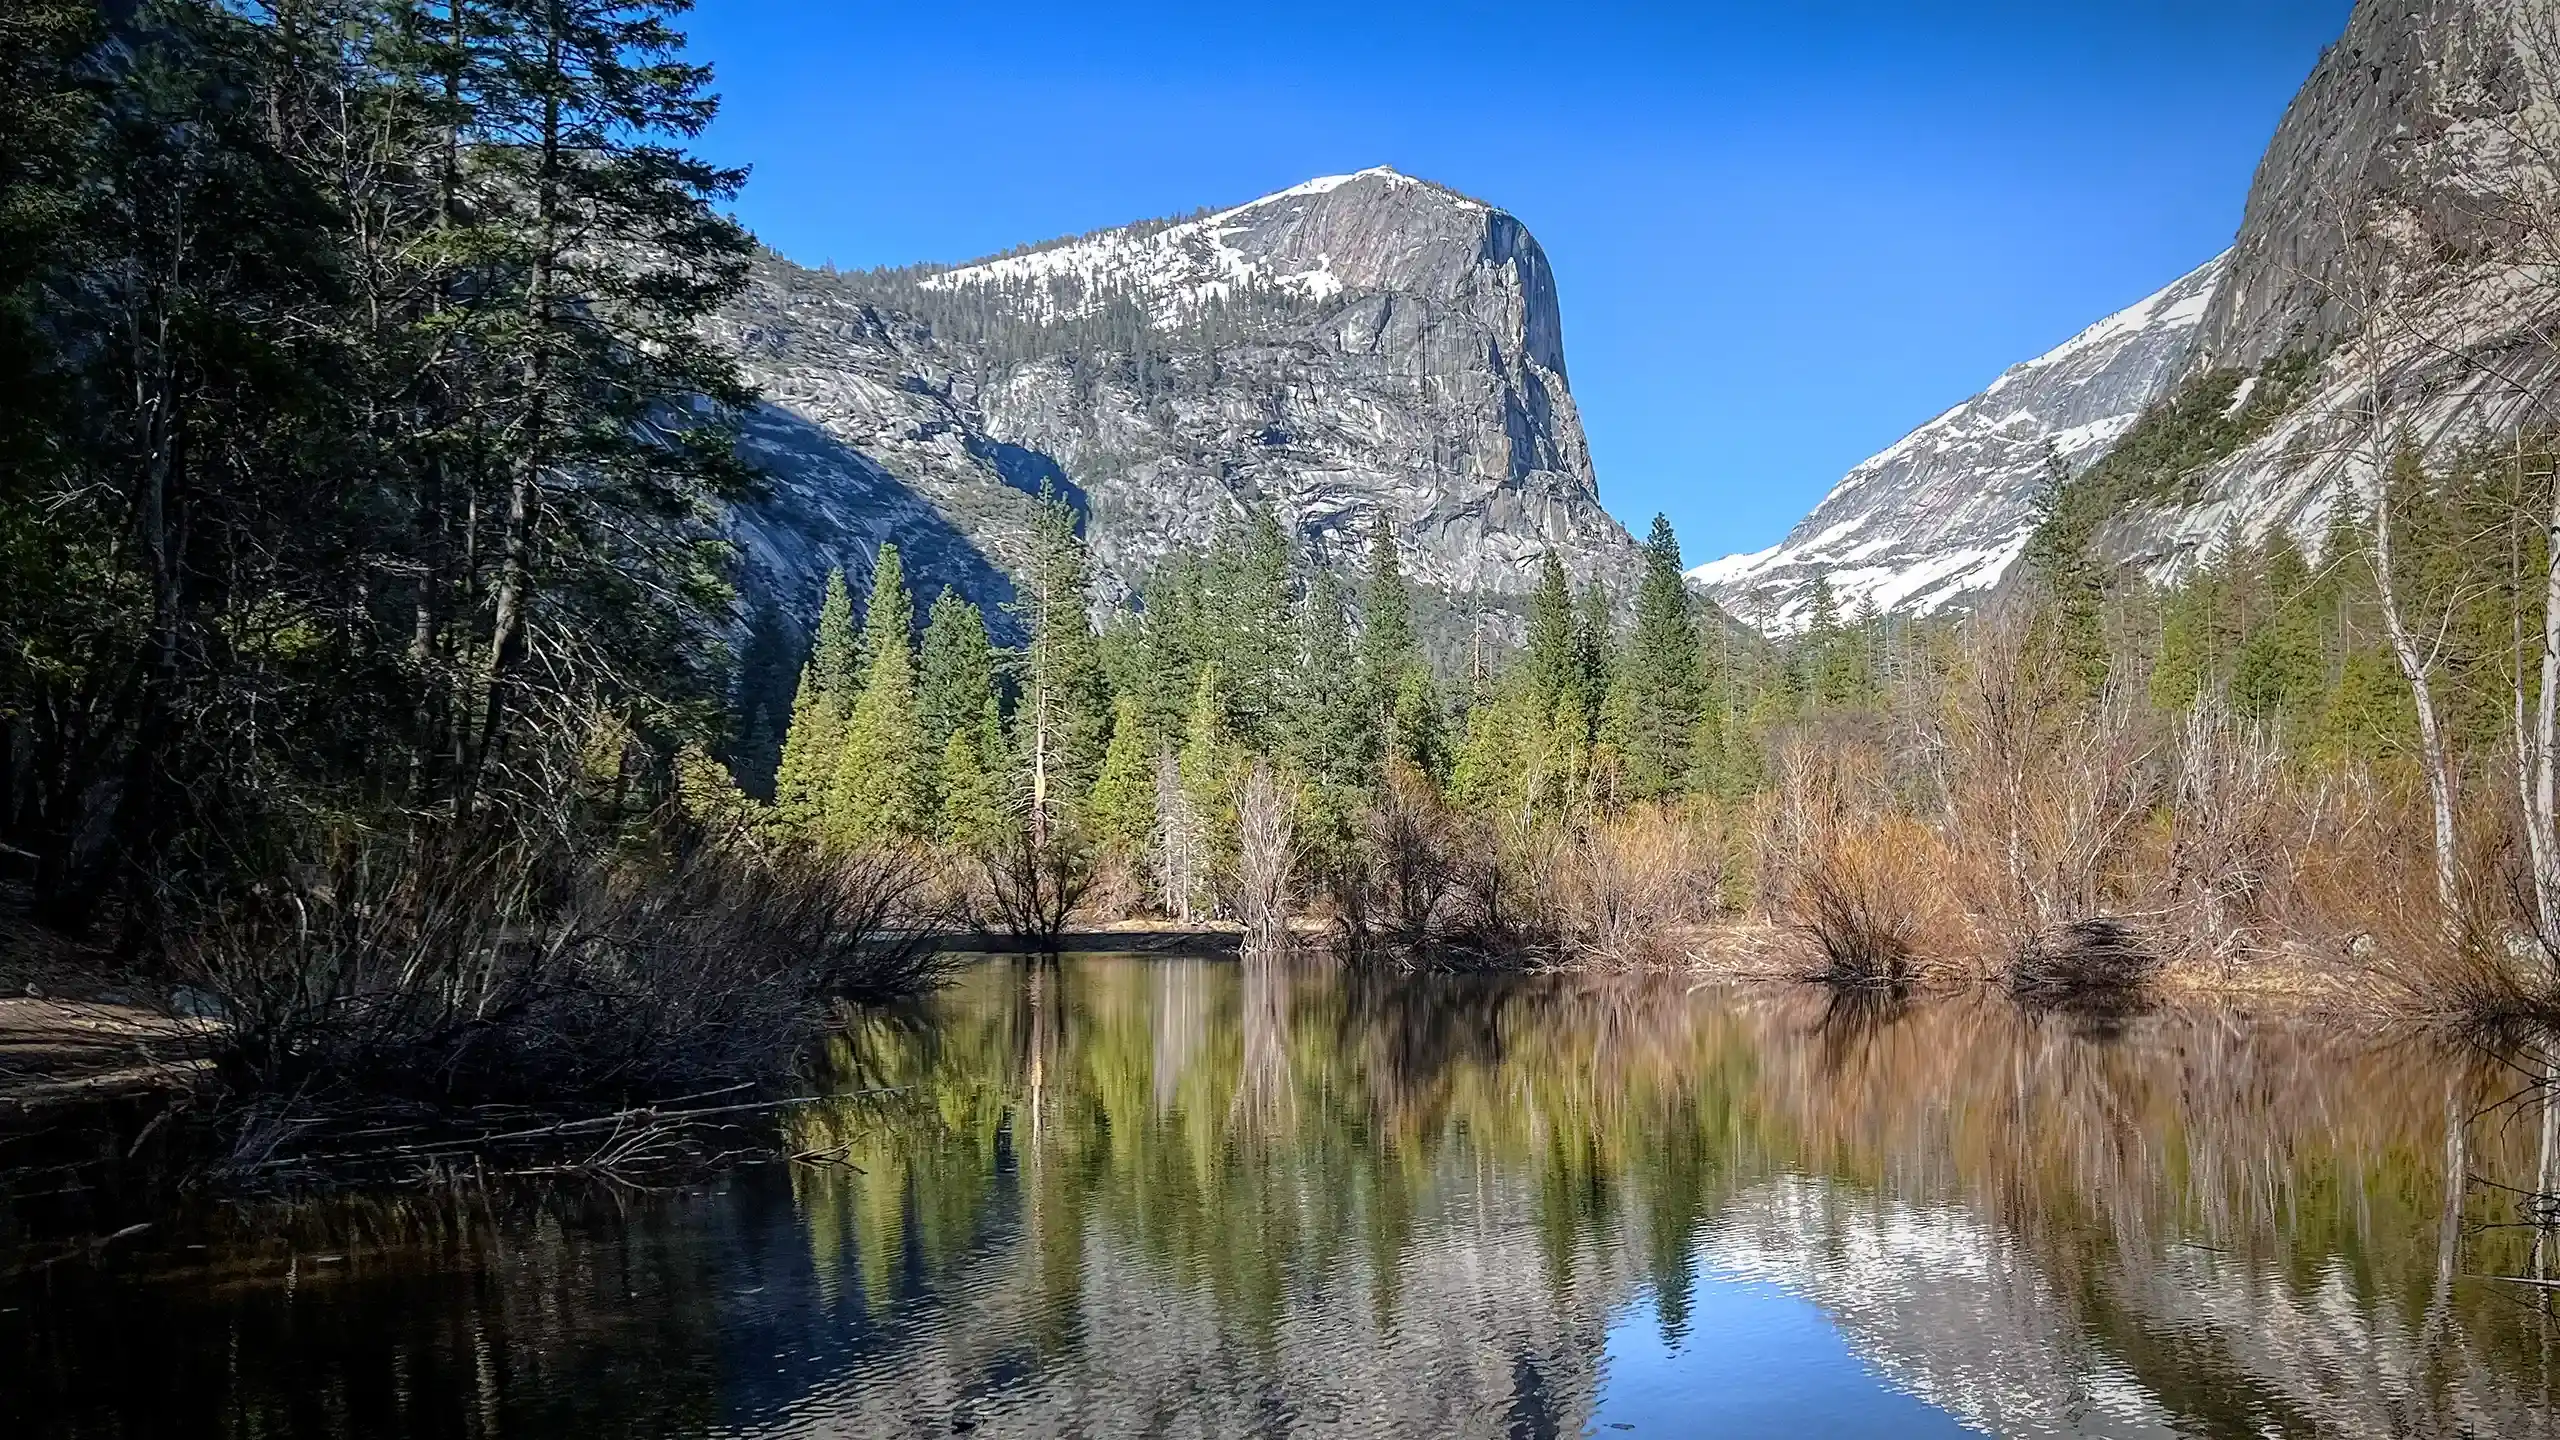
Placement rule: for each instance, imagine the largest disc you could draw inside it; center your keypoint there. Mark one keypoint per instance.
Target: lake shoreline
(72, 1031)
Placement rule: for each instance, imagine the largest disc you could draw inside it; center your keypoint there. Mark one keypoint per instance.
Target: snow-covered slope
(1942, 514)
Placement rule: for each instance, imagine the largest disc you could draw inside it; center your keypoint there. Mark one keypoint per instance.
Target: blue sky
(1785, 232)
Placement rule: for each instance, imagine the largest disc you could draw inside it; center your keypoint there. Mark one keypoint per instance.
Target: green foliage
(2070, 581)
(956, 679)
(342, 471)
(1417, 726)
(811, 746)
(1837, 658)
(1248, 593)
(1212, 765)
(709, 795)
(837, 655)
(2278, 673)
(1122, 809)
(889, 614)
(881, 790)
(1061, 723)
(1328, 733)
(2205, 421)
(1552, 654)
(1393, 677)
(1650, 718)
(974, 814)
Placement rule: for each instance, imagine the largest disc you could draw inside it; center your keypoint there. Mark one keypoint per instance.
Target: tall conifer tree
(1555, 670)
(881, 791)
(1394, 680)
(956, 671)
(1653, 706)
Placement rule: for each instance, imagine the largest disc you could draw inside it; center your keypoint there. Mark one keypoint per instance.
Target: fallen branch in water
(2522, 1280)
(637, 1138)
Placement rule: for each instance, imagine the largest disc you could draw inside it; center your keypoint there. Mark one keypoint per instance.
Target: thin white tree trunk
(2544, 844)
(2416, 667)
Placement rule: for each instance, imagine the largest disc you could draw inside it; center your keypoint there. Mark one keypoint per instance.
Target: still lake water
(1170, 1197)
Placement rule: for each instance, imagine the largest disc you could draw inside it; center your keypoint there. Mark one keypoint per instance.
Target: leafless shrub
(2226, 855)
(454, 967)
(1624, 891)
(2487, 973)
(1807, 803)
(2098, 958)
(1402, 892)
(2042, 791)
(1449, 889)
(1034, 888)
(1266, 857)
(1866, 901)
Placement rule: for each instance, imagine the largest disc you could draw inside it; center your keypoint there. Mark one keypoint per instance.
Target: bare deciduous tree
(1266, 857)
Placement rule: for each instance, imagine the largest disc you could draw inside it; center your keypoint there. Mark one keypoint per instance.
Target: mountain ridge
(1352, 347)
(1940, 515)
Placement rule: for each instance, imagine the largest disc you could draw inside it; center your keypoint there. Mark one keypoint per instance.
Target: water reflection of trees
(2238, 1224)
(481, 1313)
(2247, 1221)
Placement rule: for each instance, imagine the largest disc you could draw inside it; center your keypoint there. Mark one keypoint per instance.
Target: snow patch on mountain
(1173, 271)
(1939, 516)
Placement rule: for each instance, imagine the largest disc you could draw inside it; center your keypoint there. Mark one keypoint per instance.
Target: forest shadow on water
(1119, 1195)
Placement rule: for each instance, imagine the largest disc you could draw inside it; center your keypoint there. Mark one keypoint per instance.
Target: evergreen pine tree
(1210, 765)
(810, 748)
(2278, 673)
(1061, 720)
(1502, 768)
(1327, 732)
(956, 670)
(836, 655)
(708, 795)
(2062, 564)
(1651, 715)
(880, 792)
(1123, 805)
(970, 783)
(1554, 667)
(1250, 594)
(1394, 681)
(1418, 725)
(2183, 668)
(1595, 647)
(889, 615)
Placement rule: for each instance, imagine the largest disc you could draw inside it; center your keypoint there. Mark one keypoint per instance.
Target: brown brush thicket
(1997, 821)
(459, 967)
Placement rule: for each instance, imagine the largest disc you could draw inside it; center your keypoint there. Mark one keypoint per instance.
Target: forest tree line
(360, 446)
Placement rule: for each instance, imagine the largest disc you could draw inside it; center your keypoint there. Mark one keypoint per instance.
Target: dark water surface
(1152, 1196)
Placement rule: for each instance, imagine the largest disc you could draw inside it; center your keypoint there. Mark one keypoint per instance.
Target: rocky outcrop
(1357, 346)
(2380, 247)
(2412, 108)
(1940, 517)
(2383, 236)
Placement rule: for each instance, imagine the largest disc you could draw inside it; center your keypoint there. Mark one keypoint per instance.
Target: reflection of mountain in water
(1156, 1197)
(1246, 1199)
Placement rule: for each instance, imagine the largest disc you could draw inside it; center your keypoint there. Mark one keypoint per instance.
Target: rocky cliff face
(2413, 107)
(1942, 515)
(1357, 346)
(2398, 240)
(2400, 229)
